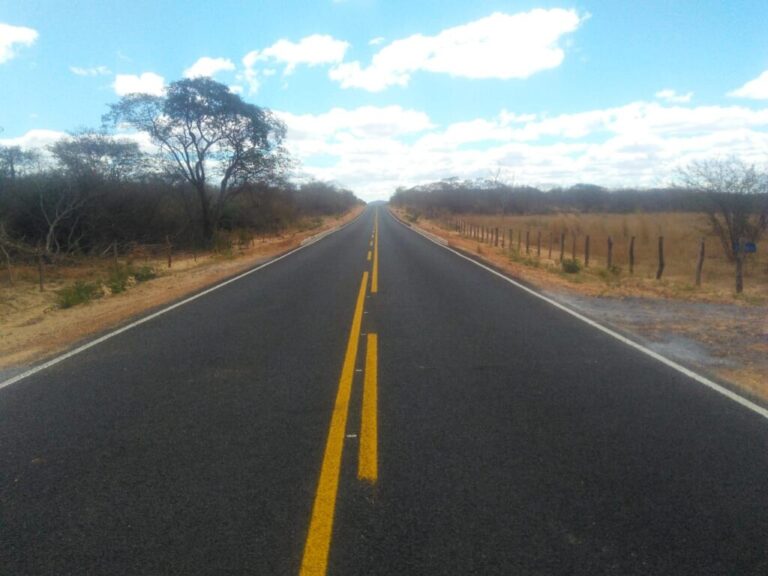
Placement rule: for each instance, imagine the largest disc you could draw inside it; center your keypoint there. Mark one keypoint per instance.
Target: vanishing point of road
(376, 404)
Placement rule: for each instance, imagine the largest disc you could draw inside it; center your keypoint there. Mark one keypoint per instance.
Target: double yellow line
(317, 547)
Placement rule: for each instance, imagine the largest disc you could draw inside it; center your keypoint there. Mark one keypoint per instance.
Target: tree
(736, 206)
(14, 160)
(91, 155)
(208, 133)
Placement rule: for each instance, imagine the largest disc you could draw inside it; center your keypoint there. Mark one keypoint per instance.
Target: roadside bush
(118, 280)
(571, 266)
(78, 293)
(144, 273)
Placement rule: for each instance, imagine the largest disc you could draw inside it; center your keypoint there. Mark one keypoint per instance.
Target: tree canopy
(208, 135)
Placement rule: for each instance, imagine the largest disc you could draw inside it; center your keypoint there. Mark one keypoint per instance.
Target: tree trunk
(205, 213)
(739, 271)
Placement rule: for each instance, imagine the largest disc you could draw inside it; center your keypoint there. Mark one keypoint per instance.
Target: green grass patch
(78, 293)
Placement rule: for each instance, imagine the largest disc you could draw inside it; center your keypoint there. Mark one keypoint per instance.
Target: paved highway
(374, 404)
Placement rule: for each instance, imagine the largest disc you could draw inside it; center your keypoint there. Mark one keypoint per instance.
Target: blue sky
(383, 93)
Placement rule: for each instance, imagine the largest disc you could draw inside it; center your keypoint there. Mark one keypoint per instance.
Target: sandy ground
(32, 328)
(717, 334)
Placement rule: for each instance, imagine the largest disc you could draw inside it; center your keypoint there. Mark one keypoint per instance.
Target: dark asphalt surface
(513, 439)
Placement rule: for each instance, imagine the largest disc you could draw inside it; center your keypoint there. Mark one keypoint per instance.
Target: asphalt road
(299, 421)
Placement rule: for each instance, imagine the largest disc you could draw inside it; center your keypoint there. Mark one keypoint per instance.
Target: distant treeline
(483, 197)
(92, 193)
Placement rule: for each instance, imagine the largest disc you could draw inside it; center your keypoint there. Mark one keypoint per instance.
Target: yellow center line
(367, 463)
(315, 560)
(369, 255)
(375, 270)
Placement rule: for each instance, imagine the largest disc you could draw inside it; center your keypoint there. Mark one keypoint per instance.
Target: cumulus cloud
(501, 46)
(315, 50)
(207, 66)
(374, 150)
(756, 89)
(13, 36)
(146, 83)
(93, 71)
(669, 95)
(34, 139)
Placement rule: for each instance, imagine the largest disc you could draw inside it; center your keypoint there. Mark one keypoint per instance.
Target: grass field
(682, 234)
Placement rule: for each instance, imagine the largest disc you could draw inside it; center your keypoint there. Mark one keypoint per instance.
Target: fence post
(550, 246)
(586, 252)
(609, 259)
(700, 263)
(519, 240)
(538, 243)
(573, 247)
(527, 241)
(511, 236)
(8, 264)
(660, 270)
(169, 249)
(562, 245)
(40, 269)
(496, 236)
(632, 255)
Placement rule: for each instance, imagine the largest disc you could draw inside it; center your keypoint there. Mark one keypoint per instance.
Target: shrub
(118, 280)
(571, 266)
(144, 273)
(78, 293)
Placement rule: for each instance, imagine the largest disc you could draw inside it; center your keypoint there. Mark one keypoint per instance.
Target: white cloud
(93, 71)
(146, 83)
(669, 95)
(34, 139)
(315, 50)
(13, 36)
(376, 41)
(207, 66)
(501, 46)
(756, 89)
(374, 150)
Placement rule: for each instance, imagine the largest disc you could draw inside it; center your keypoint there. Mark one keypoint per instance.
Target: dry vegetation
(682, 234)
(33, 324)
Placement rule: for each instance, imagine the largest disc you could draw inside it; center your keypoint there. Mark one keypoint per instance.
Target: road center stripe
(315, 560)
(367, 463)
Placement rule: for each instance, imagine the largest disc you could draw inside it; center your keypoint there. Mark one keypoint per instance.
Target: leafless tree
(737, 206)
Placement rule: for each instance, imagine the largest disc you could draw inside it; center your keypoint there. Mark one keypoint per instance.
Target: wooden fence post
(700, 263)
(660, 269)
(519, 240)
(496, 236)
(573, 247)
(632, 255)
(169, 249)
(609, 258)
(511, 236)
(586, 252)
(8, 264)
(538, 243)
(550, 246)
(562, 245)
(527, 241)
(40, 269)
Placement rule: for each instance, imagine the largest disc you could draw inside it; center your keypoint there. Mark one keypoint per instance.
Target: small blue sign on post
(745, 248)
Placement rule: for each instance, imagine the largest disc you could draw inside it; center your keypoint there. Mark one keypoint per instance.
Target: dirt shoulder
(724, 339)
(33, 328)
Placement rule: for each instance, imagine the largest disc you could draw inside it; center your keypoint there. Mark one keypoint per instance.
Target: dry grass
(32, 326)
(682, 234)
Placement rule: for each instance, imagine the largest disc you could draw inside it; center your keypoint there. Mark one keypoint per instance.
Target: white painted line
(757, 409)
(140, 321)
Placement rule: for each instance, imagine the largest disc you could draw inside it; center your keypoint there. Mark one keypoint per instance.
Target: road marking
(369, 255)
(757, 409)
(140, 321)
(315, 560)
(375, 270)
(367, 463)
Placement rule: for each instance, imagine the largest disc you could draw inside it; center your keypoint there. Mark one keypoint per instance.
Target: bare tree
(737, 206)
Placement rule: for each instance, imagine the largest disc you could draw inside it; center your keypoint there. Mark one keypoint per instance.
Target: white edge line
(140, 321)
(647, 351)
